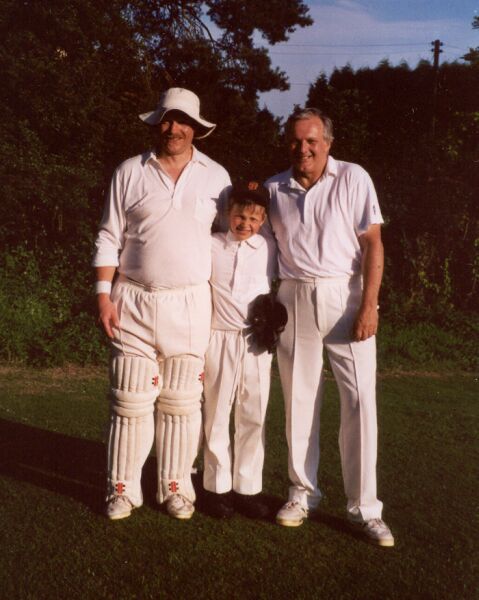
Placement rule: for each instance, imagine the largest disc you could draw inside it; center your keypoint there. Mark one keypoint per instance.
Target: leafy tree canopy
(417, 132)
(473, 55)
(78, 72)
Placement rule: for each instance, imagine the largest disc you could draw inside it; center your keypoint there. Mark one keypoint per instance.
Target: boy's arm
(272, 268)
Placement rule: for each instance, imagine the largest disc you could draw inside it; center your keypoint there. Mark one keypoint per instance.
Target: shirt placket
(307, 207)
(175, 190)
(179, 187)
(237, 270)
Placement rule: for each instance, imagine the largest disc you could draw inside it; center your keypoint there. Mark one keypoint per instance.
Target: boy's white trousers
(234, 375)
(321, 314)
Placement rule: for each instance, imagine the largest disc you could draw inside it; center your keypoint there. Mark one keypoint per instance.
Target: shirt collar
(330, 169)
(196, 157)
(199, 157)
(255, 241)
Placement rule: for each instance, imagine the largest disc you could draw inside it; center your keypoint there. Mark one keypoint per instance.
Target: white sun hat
(184, 101)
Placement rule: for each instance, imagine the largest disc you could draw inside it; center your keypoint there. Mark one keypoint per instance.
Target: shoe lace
(119, 499)
(377, 524)
(294, 504)
(177, 500)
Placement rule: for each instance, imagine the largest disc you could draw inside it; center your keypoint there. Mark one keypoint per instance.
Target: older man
(326, 219)
(155, 233)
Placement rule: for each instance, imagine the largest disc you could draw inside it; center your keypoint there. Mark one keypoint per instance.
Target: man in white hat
(326, 218)
(155, 235)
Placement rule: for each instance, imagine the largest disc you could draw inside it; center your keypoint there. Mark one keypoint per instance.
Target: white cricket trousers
(157, 361)
(234, 374)
(321, 314)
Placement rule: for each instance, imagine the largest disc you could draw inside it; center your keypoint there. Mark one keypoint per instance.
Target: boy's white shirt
(241, 270)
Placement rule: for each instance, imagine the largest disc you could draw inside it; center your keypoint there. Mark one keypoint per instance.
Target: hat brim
(155, 116)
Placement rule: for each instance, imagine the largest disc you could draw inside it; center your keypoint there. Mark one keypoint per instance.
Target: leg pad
(134, 388)
(178, 429)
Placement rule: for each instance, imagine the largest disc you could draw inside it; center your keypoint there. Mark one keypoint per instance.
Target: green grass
(57, 544)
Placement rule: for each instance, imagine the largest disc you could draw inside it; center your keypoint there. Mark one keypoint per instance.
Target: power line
(407, 45)
(347, 45)
(339, 53)
(353, 47)
(455, 48)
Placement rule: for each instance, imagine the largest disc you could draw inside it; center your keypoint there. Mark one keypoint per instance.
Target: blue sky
(364, 32)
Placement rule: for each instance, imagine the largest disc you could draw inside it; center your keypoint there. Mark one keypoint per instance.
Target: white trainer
(292, 514)
(179, 507)
(119, 507)
(375, 531)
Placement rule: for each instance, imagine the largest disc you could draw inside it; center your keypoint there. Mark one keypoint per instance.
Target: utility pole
(436, 50)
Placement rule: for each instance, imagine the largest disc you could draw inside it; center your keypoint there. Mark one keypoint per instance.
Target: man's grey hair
(308, 113)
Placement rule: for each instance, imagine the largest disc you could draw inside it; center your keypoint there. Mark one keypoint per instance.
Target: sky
(361, 33)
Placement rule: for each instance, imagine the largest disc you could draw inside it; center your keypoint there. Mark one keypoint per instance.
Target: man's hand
(366, 323)
(108, 315)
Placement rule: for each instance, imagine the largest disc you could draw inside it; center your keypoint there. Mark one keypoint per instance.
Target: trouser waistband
(324, 280)
(152, 288)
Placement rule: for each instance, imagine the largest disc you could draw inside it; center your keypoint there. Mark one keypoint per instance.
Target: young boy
(236, 370)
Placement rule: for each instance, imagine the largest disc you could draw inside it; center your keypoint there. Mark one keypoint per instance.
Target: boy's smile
(245, 221)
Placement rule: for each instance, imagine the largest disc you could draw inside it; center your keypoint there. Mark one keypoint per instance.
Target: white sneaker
(375, 531)
(179, 507)
(292, 514)
(119, 507)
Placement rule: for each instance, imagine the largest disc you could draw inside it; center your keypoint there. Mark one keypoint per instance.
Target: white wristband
(102, 287)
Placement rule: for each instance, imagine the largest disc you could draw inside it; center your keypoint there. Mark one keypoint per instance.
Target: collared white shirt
(155, 231)
(240, 272)
(317, 229)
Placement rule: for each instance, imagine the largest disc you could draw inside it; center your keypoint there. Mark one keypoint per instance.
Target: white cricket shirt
(156, 232)
(317, 230)
(240, 272)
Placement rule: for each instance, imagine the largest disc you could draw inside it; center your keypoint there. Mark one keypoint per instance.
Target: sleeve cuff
(105, 260)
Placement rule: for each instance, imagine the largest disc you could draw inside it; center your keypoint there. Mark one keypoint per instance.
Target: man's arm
(366, 323)
(107, 312)
(108, 244)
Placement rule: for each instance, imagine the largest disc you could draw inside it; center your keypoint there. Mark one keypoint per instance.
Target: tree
(76, 74)
(473, 55)
(225, 69)
(427, 185)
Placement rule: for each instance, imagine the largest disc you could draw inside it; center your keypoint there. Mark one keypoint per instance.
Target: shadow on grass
(75, 467)
(65, 465)
(336, 523)
(272, 503)
(340, 525)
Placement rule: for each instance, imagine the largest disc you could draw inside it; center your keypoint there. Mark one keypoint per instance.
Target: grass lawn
(55, 543)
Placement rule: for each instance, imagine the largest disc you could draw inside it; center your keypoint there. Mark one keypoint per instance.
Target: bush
(42, 320)
(47, 317)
